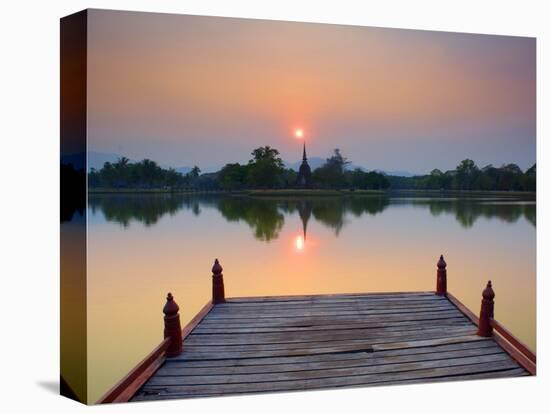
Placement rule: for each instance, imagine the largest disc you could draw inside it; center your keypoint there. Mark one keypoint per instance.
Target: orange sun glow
(299, 243)
(299, 133)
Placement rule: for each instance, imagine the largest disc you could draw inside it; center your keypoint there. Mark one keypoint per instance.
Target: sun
(299, 133)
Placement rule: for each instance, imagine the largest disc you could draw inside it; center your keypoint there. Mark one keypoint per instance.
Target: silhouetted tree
(266, 168)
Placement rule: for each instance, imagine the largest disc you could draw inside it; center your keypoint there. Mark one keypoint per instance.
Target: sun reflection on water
(299, 243)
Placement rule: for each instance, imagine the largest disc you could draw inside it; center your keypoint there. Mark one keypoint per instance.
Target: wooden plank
(333, 298)
(232, 340)
(198, 355)
(331, 303)
(313, 313)
(427, 342)
(300, 321)
(124, 389)
(291, 298)
(340, 356)
(178, 369)
(217, 314)
(331, 311)
(458, 320)
(505, 373)
(320, 324)
(508, 373)
(300, 337)
(283, 344)
(308, 336)
(333, 382)
(248, 378)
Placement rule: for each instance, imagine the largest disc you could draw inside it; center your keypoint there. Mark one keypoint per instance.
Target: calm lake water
(142, 246)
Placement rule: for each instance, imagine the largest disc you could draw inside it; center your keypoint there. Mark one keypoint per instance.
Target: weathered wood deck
(297, 343)
(269, 344)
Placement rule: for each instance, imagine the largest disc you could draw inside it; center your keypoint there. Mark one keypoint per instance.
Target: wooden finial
(171, 307)
(172, 326)
(217, 268)
(441, 287)
(218, 290)
(486, 313)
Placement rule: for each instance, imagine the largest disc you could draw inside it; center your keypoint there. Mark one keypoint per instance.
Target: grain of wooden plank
(331, 301)
(331, 305)
(301, 320)
(282, 342)
(329, 312)
(361, 347)
(332, 382)
(459, 320)
(341, 356)
(505, 373)
(373, 295)
(217, 314)
(301, 337)
(285, 306)
(339, 372)
(170, 369)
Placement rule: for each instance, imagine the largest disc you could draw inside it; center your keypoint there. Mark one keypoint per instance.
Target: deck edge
(504, 338)
(128, 386)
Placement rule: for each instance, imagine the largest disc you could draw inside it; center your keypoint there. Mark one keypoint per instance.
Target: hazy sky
(186, 90)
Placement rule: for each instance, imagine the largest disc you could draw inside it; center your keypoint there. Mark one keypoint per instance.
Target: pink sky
(186, 90)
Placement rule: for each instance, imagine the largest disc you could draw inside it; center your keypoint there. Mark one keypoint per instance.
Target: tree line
(467, 176)
(266, 170)
(143, 174)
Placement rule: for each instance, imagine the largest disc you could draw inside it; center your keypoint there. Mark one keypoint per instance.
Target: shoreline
(306, 192)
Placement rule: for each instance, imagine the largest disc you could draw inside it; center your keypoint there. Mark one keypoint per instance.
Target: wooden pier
(297, 343)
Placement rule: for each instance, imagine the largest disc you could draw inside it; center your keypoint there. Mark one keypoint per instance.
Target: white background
(29, 215)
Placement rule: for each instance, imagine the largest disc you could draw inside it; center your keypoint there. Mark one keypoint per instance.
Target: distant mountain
(183, 170)
(398, 173)
(316, 162)
(97, 159)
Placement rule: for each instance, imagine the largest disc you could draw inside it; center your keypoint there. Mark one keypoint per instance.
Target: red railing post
(218, 290)
(441, 288)
(172, 327)
(487, 311)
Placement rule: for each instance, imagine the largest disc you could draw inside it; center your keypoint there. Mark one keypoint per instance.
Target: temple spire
(304, 172)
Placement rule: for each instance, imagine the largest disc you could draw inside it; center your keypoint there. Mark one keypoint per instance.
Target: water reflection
(137, 252)
(266, 215)
(262, 216)
(467, 211)
(299, 242)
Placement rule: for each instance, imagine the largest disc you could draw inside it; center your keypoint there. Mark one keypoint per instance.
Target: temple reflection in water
(266, 215)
